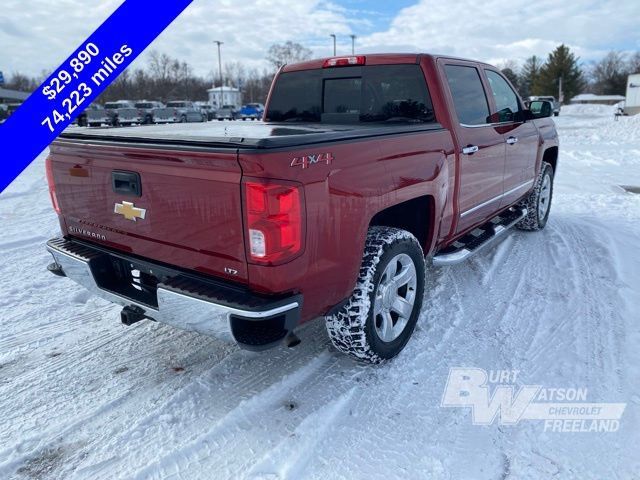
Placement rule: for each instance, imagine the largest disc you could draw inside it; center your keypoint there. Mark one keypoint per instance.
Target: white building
(597, 99)
(219, 96)
(632, 102)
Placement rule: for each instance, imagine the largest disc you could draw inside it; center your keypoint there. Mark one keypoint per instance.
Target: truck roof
(377, 59)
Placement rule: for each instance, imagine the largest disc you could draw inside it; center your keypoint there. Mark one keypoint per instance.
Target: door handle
(470, 149)
(512, 140)
(126, 182)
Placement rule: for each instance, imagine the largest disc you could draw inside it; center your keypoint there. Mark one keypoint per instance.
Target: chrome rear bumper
(184, 302)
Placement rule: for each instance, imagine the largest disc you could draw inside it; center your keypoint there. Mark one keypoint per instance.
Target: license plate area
(134, 280)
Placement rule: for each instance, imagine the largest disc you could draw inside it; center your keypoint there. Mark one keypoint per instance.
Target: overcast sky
(37, 35)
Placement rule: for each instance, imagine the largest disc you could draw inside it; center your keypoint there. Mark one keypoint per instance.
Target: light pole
(333, 35)
(353, 44)
(218, 42)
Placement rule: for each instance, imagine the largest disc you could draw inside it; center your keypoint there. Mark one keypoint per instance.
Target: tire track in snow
(290, 457)
(22, 243)
(99, 418)
(203, 399)
(204, 445)
(43, 332)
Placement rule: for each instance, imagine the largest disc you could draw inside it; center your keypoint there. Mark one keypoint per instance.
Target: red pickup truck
(364, 169)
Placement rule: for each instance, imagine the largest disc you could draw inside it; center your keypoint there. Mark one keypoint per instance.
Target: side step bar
(476, 240)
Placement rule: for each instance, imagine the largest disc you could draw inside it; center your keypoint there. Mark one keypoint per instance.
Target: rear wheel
(378, 319)
(538, 203)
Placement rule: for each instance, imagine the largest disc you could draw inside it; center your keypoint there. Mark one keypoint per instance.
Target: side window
(468, 94)
(506, 99)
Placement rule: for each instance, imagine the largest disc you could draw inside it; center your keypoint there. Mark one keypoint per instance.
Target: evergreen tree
(529, 75)
(561, 64)
(512, 77)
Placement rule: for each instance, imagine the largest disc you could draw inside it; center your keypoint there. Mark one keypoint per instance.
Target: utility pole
(218, 42)
(353, 44)
(333, 35)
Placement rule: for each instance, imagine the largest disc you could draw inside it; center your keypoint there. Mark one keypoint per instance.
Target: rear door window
(468, 94)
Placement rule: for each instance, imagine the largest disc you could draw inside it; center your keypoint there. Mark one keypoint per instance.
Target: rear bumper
(181, 299)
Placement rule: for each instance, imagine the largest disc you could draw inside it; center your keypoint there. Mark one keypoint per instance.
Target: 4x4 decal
(307, 160)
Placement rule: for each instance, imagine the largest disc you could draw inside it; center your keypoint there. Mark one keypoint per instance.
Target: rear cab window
(363, 94)
(467, 91)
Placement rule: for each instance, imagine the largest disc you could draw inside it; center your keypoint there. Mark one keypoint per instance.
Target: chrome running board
(479, 238)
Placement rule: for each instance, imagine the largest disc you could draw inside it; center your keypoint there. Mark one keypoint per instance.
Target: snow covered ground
(82, 396)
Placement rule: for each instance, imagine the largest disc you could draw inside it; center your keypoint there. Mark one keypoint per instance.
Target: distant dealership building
(12, 96)
(225, 95)
(632, 103)
(597, 99)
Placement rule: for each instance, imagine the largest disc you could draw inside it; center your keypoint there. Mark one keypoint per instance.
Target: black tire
(183, 119)
(538, 213)
(555, 114)
(354, 329)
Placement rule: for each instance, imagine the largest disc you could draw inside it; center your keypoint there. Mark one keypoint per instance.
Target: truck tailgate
(188, 210)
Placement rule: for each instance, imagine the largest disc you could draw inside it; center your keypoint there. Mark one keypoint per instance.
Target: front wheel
(538, 203)
(378, 319)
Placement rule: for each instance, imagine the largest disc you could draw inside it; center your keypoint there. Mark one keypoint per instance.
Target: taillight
(275, 224)
(52, 187)
(344, 61)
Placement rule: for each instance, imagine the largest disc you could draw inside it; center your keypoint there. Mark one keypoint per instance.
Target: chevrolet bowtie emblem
(129, 211)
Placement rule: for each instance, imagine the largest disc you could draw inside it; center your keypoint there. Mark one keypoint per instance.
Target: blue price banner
(79, 80)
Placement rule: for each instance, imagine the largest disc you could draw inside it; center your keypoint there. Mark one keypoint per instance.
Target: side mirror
(540, 109)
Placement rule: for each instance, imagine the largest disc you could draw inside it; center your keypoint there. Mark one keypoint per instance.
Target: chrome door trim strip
(494, 199)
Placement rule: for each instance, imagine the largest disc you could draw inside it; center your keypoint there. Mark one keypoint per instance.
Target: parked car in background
(179, 111)
(96, 115)
(548, 98)
(12, 107)
(146, 108)
(228, 112)
(93, 116)
(252, 111)
(122, 112)
(207, 110)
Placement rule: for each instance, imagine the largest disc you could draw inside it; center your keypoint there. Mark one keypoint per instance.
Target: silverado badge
(129, 211)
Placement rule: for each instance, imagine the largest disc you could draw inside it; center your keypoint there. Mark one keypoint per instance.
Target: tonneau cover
(240, 135)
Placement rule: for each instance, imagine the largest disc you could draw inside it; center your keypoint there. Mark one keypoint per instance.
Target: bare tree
(510, 70)
(609, 75)
(633, 65)
(289, 52)
(19, 81)
(235, 73)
